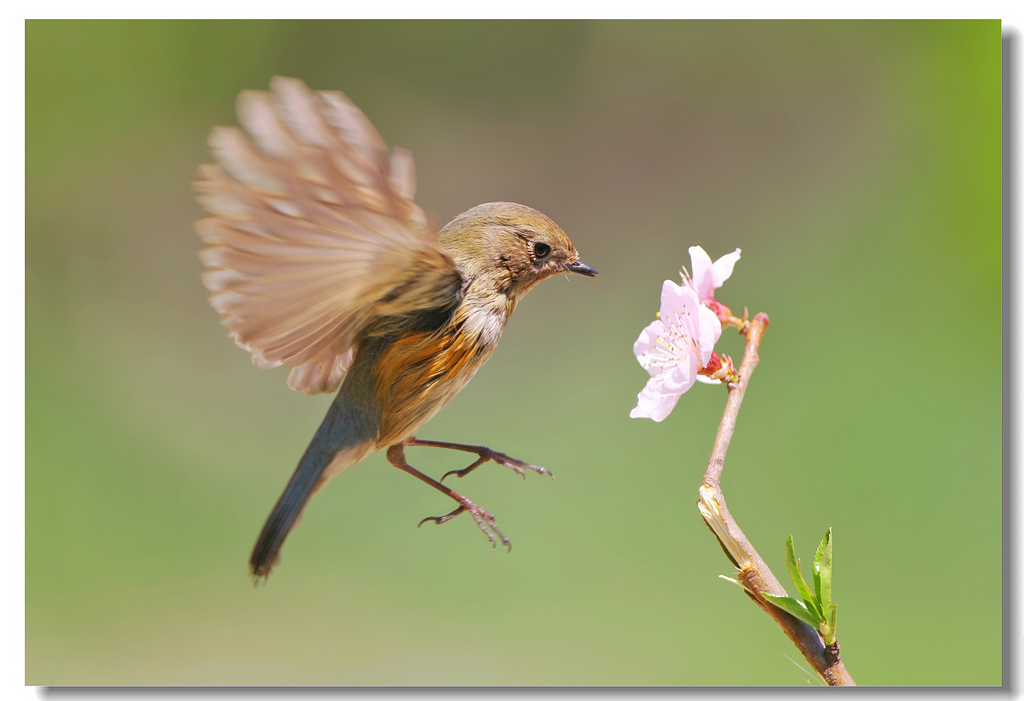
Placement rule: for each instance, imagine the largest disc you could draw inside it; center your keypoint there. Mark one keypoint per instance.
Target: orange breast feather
(420, 373)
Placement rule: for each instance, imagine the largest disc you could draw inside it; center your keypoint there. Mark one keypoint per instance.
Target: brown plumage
(318, 258)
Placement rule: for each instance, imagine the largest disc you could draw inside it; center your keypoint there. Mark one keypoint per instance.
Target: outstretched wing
(314, 232)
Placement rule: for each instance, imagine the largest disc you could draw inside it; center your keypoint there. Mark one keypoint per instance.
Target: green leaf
(793, 565)
(794, 607)
(833, 615)
(823, 572)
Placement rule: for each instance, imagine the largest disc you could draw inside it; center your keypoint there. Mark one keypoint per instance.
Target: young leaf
(798, 579)
(795, 608)
(833, 615)
(823, 572)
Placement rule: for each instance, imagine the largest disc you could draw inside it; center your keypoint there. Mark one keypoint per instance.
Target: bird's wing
(313, 232)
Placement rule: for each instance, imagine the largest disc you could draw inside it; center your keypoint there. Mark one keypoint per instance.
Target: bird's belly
(425, 374)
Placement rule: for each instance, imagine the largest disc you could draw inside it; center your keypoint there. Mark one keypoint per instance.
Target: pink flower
(674, 347)
(708, 276)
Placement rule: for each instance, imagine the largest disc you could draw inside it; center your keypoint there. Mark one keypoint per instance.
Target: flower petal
(722, 268)
(710, 332)
(673, 297)
(654, 402)
(683, 374)
(701, 267)
(679, 307)
(648, 339)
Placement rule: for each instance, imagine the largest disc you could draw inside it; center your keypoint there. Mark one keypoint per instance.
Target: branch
(754, 575)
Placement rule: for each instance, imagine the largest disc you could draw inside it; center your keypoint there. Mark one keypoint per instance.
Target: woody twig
(754, 575)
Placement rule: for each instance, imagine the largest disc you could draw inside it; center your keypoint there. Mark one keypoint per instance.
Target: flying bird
(317, 257)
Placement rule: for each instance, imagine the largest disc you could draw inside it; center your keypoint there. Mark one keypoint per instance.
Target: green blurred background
(856, 164)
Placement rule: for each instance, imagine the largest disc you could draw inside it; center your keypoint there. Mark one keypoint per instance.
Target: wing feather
(313, 232)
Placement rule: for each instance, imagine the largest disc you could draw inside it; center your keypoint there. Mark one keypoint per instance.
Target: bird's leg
(484, 520)
(483, 455)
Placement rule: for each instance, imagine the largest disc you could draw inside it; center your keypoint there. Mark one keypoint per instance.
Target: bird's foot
(484, 520)
(517, 466)
(484, 454)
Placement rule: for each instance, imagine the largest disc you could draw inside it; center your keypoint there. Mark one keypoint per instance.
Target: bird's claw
(441, 519)
(484, 521)
(466, 470)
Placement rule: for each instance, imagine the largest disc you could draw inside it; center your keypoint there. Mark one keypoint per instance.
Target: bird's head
(509, 248)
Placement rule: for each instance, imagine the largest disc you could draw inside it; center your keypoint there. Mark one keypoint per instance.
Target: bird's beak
(578, 267)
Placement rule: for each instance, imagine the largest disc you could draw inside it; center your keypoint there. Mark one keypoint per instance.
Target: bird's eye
(541, 250)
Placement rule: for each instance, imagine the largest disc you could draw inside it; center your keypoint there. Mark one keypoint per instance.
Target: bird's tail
(341, 441)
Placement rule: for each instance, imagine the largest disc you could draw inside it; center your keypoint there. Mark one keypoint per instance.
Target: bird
(317, 257)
